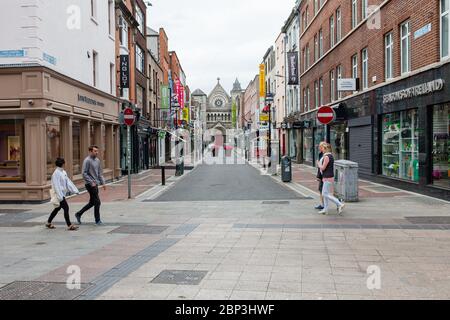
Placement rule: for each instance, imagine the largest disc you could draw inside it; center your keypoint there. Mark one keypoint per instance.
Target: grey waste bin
(179, 167)
(286, 169)
(346, 180)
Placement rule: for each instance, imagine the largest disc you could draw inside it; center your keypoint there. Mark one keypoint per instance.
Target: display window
(53, 127)
(308, 145)
(319, 136)
(12, 150)
(401, 145)
(441, 146)
(76, 140)
(337, 141)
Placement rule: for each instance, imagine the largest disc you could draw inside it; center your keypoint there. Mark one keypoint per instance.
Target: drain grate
(429, 220)
(140, 229)
(276, 202)
(34, 290)
(180, 277)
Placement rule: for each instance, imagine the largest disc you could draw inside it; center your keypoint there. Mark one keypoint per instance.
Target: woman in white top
(61, 185)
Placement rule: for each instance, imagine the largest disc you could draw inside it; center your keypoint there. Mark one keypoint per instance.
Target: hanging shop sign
(292, 58)
(124, 71)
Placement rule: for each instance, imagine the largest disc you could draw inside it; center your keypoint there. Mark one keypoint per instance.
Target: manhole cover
(276, 202)
(180, 277)
(429, 220)
(33, 290)
(140, 229)
(7, 211)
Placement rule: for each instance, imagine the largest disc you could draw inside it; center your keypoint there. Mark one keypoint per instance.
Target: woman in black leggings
(61, 184)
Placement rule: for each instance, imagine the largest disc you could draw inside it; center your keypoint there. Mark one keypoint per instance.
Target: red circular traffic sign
(128, 116)
(325, 115)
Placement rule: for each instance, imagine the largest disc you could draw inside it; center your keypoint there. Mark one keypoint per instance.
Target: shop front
(414, 132)
(45, 115)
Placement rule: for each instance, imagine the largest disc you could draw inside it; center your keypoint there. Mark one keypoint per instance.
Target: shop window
(401, 145)
(337, 141)
(53, 143)
(76, 151)
(319, 136)
(441, 146)
(12, 150)
(308, 145)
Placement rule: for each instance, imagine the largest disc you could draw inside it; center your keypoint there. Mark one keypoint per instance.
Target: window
(307, 16)
(332, 38)
(316, 48)
(140, 19)
(94, 68)
(338, 25)
(365, 68)
(320, 91)
(355, 66)
(111, 77)
(445, 26)
(339, 76)
(401, 145)
(76, 147)
(354, 13)
(12, 164)
(140, 61)
(332, 86)
(110, 17)
(441, 146)
(94, 9)
(389, 47)
(305, 106)
(405, 47)
(320, 43)
(53, 143)
(364, 8)
(304, 22)
(123, 34)
(307, 57)
(316, 6)
(308, 98)
(316, 89)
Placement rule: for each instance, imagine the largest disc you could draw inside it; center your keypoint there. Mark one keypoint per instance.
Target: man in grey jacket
(93, 177)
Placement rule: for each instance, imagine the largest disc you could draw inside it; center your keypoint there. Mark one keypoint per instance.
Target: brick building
(394, 121)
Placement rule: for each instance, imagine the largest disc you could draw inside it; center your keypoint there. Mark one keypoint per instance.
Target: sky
(219, 38)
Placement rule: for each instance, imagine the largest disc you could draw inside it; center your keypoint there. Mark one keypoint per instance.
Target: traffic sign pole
(129, 160)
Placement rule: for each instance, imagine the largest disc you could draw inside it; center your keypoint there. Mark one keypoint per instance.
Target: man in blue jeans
(93, 177)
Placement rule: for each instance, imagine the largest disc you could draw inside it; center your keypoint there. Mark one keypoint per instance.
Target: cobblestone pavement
(250, 248)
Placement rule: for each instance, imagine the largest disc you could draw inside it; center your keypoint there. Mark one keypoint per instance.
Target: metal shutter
(360, 141)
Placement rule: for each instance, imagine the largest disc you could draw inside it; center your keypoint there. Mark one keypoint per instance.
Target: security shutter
(360, 141)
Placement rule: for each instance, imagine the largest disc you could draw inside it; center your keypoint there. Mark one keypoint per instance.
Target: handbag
(53, 198)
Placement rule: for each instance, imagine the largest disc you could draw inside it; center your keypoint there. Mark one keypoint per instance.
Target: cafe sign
(420, 90)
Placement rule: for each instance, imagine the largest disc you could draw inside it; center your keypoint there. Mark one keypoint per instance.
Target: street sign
(128, 116)
(325, 115)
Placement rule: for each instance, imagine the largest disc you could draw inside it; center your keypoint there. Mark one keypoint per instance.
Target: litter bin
(179, 167)
(286, 169)
(346, 180)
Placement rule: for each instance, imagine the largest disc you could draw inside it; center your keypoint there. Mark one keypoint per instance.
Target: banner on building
(165, 97)
(124, 71)
(185, 114)
(179, 89)
(292, 68)
(262, 80)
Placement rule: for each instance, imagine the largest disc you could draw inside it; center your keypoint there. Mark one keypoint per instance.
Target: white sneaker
(323, 211)
(340, 208)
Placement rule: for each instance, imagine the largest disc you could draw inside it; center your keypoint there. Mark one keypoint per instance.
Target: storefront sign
(422, 31)
(124, 71)
(90, 101)
(262, 80)
(264, 117)
(346, 84)
(292, 68)
(420, 90)
(298, 125)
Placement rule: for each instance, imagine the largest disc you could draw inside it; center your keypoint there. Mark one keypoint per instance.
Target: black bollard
(163, 175)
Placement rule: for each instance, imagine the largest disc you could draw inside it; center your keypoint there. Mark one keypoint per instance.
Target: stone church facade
(219, 109)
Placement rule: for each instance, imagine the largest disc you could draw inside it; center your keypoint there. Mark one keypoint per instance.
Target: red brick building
(395, 122)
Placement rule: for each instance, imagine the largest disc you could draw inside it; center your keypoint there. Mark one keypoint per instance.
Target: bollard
(163, 175)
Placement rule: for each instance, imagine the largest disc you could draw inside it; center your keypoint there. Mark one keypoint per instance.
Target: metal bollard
(163, 175)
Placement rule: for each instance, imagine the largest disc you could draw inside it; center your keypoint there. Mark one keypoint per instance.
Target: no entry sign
(128, 116)
(325, 115)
